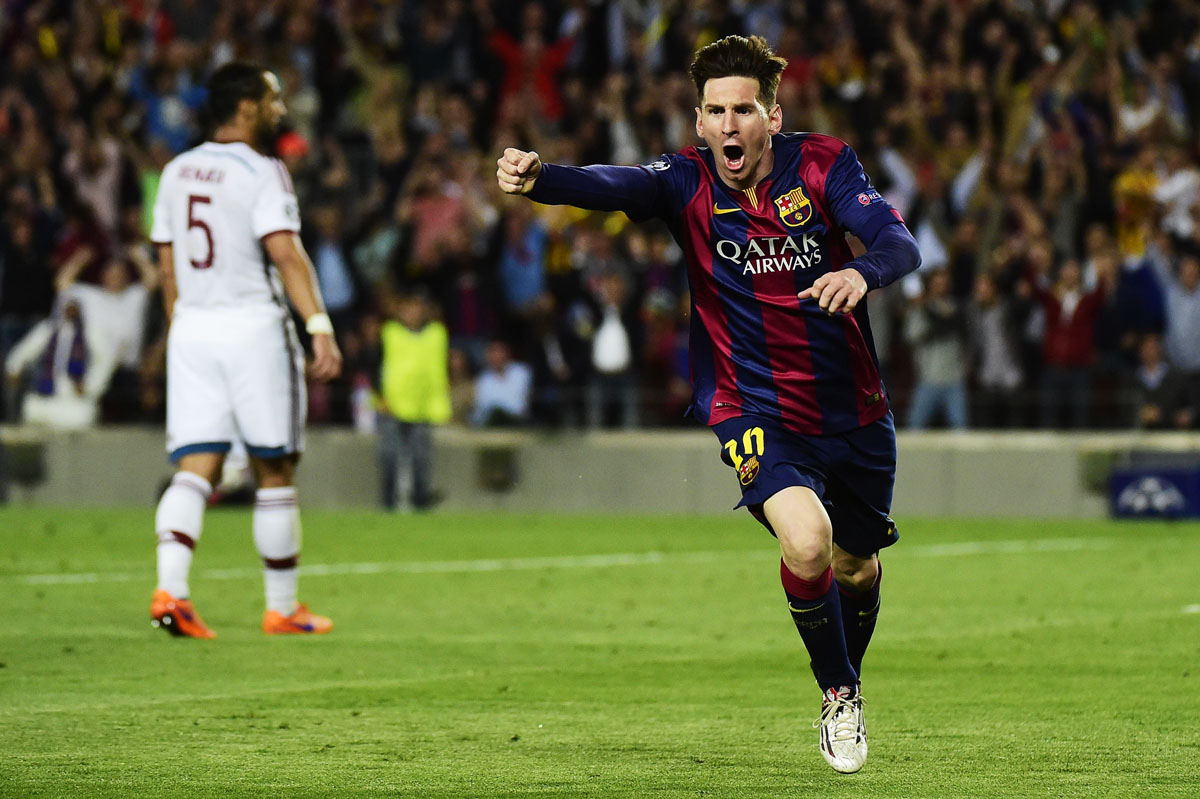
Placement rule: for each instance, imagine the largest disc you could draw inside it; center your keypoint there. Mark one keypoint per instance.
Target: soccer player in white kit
(226, 227)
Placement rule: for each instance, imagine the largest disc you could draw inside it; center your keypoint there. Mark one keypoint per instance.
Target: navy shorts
(853, 473)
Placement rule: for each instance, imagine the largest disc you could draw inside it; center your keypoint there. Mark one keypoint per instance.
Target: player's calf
(860, 611)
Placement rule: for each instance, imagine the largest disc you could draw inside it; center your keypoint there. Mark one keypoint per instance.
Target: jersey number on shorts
(193, 221)
(753, 443)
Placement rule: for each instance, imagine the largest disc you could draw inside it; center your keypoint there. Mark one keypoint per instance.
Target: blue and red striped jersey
(755, 348)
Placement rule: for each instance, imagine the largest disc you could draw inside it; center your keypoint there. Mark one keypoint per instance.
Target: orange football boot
(177, 616)
(301, 621)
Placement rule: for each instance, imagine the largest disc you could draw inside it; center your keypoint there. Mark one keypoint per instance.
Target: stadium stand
(1044, 154)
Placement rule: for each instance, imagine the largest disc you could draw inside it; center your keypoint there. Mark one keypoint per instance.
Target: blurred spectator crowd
(1043, 152)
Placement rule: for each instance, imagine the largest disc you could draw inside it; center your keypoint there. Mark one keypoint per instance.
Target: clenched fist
(517, 170)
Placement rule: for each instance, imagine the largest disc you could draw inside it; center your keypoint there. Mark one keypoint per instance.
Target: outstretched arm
(636, 190)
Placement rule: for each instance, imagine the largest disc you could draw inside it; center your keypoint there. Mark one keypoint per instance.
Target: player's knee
(206, 465)
(856, 574)
(274, 480)
(804, 531)
(274, 472)
(806, 548)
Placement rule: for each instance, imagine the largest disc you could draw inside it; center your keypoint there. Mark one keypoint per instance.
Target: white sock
(178, 524)
(280, 585)
(174, 564)
(277, 536)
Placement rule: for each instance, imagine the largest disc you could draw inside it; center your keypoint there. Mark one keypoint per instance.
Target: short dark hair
(229, 85)
(738, 56)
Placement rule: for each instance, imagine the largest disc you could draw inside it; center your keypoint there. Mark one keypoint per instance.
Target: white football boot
(843, 730)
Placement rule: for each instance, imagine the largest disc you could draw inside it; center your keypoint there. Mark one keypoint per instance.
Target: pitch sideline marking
(1010, 547)
(1191, 608)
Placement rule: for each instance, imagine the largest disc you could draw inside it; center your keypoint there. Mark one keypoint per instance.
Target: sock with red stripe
(277, 536)
(860, 611)
(816, 610)
(178, 523)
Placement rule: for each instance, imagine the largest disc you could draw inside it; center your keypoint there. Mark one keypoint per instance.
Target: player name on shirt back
(188, 172)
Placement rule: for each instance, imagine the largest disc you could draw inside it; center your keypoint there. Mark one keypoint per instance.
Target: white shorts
(235, 375)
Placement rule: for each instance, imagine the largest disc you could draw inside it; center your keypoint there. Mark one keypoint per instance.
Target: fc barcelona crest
(748, 470)
(795, 209)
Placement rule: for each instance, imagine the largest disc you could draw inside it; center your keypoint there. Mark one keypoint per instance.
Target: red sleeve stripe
(284, 178)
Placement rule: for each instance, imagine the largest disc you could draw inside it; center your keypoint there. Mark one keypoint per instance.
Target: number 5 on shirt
(193, 221)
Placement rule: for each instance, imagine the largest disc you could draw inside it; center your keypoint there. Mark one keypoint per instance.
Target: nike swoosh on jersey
(718, 210)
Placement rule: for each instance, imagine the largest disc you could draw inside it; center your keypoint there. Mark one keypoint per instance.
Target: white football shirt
(215, 205)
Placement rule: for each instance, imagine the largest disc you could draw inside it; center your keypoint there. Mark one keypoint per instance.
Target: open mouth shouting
(734, 156)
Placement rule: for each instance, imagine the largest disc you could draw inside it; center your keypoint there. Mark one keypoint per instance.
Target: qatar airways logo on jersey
(772, 253)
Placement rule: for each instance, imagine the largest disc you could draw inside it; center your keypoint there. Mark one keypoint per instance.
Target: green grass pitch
(570, 656)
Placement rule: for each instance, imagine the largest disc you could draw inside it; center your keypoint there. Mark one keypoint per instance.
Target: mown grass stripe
(598, 561)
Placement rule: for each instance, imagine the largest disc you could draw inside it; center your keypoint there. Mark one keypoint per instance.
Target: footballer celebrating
(782, 360)
(226, 226)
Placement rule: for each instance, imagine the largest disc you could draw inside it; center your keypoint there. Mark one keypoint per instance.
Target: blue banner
(1170, 493)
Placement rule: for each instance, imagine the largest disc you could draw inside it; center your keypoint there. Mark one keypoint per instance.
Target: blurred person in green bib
(415, 385)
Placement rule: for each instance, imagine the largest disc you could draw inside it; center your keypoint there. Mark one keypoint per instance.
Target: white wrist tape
(319, 324)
